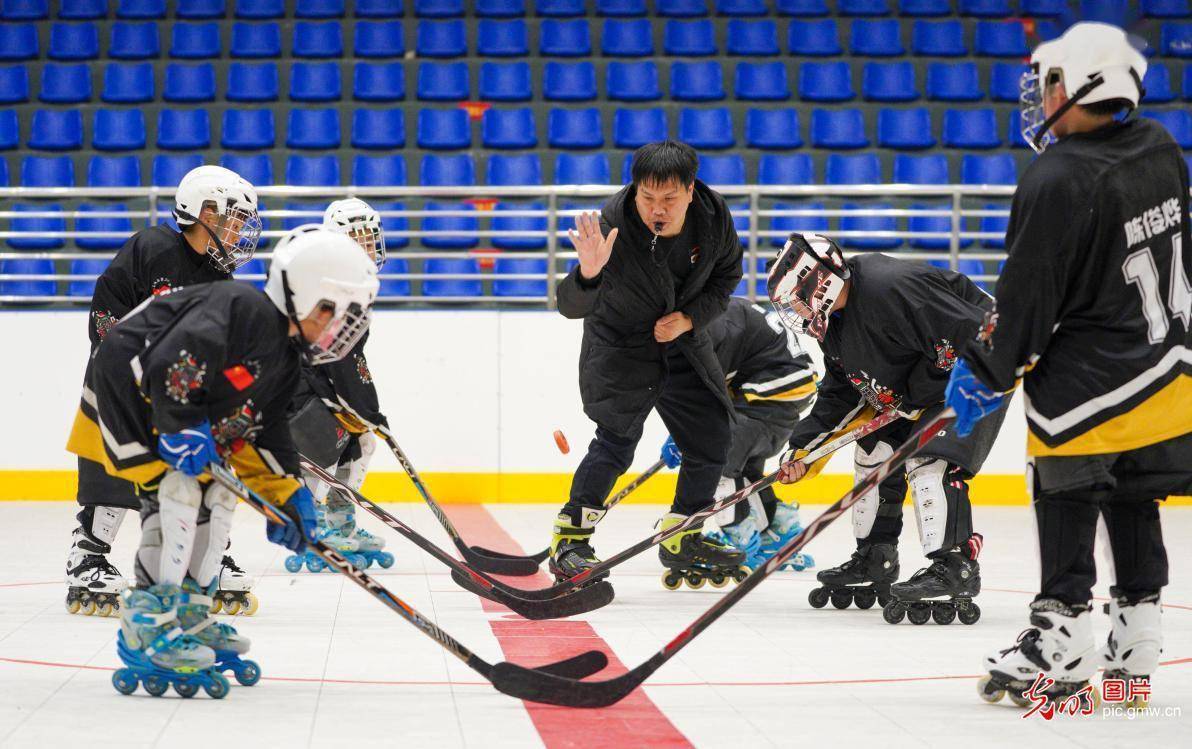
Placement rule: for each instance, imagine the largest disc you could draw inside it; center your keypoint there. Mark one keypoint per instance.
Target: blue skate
(194, 615)
(784, 527)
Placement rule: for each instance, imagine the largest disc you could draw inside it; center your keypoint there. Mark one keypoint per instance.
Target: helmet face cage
(340, 336)
(1030, 101)
(371, 239)
(804, 287)
(233, 239)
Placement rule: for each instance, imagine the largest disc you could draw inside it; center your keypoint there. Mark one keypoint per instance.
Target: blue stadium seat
(318, 39)
(502, 38)
(506, 81)
(938, 38)
(255, 40)
(259, 9)
(442, 39)
(1048, 29)
(68, 41)
(18, 41)
(681, 8)
(925, 8)
(513, 169)
(508, 266)
(1157, 83)
(14, 84)
(443, 81)
(10, 138)
(378, 8)
(39, 225)
(1188, 81)
(1043, 8)
(971, 128)
(889, 81)
(634, 81)
(631, 37)
(559, 8)
(382, 81)
(202, 8)
(394, 266)
(379, 39)
(312, 170)
(697, 81)
(1166, 8)
(189, 83)
(391, 225)
(438, 8)
(379, 171)
(633, 128)
(378, 128)
(940, 224)
(826, 81)
(253, 272)
(128, 83)
(863, 7)
(761, 81)
(252, 81)
(313, 128)
(1004, 79)
(722, 170)
(582, 169)
(451, 287)
(802, 7)
(248, 129)
(905, 128)
(1115, 12)
(574, 128)
(82, 10)
(64, 83)
(741, 7)
(1000, 39)
(315, 81)
(818, 38)
(24, 10)
(169, 169)
(115, 171)
(1177, 121)
(500, 8)
(319, 9)
(999, 169)
(257, 168)
(569, 81)
(752, 38)
(869, 225)
(880, 37)
(90, 266)
(463, 236)
(30, 267)
(785, 169)
(118, 130)
(312, 214)
(56, 130)
(689, 38)
(706, 127)
(772, 128)
(789, 224)
(564, 38)
(838, 128)
(194, 41)
(852, 169)
(457, 170)
(134, 40)
(1014, 130)
(509, 128)
(444, 129)
(1176, 39)
(954, 81)
(47, 171)
(995, 225)
(986, 8)
(921, 170)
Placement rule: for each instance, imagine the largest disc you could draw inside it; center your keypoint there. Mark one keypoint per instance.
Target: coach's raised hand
(594, 249)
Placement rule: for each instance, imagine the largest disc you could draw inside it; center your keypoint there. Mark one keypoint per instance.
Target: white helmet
(361, 222)
(1095, 62)
(233, 238)
(314, 268)
(805, 282)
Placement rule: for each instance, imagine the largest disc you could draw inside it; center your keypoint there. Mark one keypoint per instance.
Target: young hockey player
(191, 378)
(325, 433)
(655, 268)
(888, 329)
(1094, 309)
(217, 212)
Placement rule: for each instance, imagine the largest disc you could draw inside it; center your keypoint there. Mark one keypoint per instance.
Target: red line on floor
(632, 721)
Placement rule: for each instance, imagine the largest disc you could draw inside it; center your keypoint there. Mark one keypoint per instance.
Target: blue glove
(670, 453)
(190, 450)
(971, 399)
(295, 535)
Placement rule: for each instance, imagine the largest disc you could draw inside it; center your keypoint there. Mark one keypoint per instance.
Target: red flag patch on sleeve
(239, 376)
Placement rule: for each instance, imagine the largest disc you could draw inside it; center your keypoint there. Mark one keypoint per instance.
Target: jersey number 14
(1140, 269)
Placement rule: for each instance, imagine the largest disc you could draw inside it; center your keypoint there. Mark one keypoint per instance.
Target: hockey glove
(670, 453)
(190, 450)
(971, 399)
(294, 536)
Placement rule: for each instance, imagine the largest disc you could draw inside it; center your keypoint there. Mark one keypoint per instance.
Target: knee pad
(1136, 638)
(178, 499)
(317, 487)
(100, 524)
(727, 487)
(211, 538)
(358, 468)
(926, 477)
(865, 509)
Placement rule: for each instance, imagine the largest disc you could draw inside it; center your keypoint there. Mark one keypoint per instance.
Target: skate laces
(230, 564)
(1026, 637)
(99, 566)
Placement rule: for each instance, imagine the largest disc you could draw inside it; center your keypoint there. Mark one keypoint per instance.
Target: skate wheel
(919, 613)
(1017, 698)
(864, 599)
(88, 608)
(231, 608)
(671, 581)
(125, 680)
(883, 598)
(360, 561)
(740, 574)
(842, 599)
(718, 580)
(216, 605)
(104, 609)
(943, 613)
(385, 559)
(990, 692)
(72, 607)
(218, 688)
(695, 582)
(969, 614)
(249, 674)
(315, 564)
(251, 606)
(893, 612)
(818, 598)
(187, 689)
(155, 685)
(293, 564)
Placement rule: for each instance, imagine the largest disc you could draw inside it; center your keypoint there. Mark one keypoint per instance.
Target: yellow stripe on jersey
(256, 474)
(1165, 415)
(794, 394)
(86, 441)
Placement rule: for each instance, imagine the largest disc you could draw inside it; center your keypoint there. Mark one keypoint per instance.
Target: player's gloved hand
(791, 467)
(971, 399)
(670, 453)
(294, 536)
(190, 450)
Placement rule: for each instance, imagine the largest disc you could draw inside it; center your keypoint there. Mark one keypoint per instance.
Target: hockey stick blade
(540, 557)
(581, 601)
(496, 562)
(540, 685)
(577, 667)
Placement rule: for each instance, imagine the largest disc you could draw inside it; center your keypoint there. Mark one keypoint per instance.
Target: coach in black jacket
(655, 268)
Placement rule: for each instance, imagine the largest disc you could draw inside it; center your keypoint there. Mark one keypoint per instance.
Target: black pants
(761, 431)
(1124, 489)
(699, 424)
(98, 488)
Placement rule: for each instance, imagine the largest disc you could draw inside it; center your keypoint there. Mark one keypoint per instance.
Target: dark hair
(1108, 107)
(664, 161)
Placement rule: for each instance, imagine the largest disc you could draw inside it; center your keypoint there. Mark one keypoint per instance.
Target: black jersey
(348, 382)
(152, 261)
(1094, 302)
(217, 352)
(760, 358)
(894, 343)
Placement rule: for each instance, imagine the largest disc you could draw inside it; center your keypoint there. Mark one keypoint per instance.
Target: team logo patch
(875, 394)
(945, 355)
(239, 376)
(161, 286)
(238, 427)
(363, 370)
(184, 377)
(103, 323)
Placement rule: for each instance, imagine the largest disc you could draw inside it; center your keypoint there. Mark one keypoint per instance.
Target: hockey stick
(584, 664)
(600, 570)
(538, 687)
(578, 602)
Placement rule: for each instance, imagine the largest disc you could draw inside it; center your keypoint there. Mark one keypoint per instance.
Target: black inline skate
(571, 550)
(944, 591)
(864, 580)
(692, 558)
